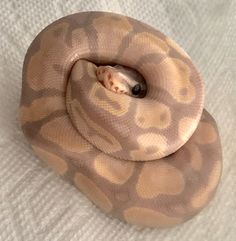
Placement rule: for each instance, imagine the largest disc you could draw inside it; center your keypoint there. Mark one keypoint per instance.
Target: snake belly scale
(154, 161)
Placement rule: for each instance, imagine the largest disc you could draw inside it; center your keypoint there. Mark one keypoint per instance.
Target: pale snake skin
(154, 161)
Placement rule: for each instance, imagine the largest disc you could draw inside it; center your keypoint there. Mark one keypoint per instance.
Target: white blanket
(38, 205)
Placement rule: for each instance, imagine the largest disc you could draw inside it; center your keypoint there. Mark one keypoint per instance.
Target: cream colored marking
(173, 76)
(149, 218)
(146, 141)
(206, 133)
(143, 44)
(151, 41)
(122, 24)
(186, 123)
(195, 157)
(159, 178)
(90, 189)
(80, 42)
(123, 102)
(175, 46)
(77, 72)
(84, 123)
(202, 196)
(61, 132)
(40, 68)
(145, 117)
(91, 69)
(106, 46)
(114, 170)
(41, 108)
(54, 161)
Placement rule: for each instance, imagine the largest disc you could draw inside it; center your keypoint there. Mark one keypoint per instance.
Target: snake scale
(154, 161)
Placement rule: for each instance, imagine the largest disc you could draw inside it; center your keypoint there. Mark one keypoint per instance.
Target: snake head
(122, 80)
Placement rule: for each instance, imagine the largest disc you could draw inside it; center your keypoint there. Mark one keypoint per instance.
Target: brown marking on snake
(154, 161)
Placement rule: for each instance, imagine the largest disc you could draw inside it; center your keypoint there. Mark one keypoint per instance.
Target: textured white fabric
(35, 203)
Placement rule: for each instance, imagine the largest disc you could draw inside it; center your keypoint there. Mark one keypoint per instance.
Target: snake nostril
(136, 89)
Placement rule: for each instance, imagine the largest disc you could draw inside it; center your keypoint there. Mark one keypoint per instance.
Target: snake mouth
(122, 80)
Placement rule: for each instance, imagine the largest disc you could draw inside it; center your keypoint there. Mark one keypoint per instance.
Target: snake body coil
(154, 161)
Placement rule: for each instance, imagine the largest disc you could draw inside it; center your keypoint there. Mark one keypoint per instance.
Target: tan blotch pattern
(202, 197)
(195, 157)
(114, 170)
(151, 146)
(104, 30)
(91, 70)
(54, 161)
(79, 41)
(60, 132)
(207, 134)
(147, 39)
(186, 123)
(123, 101)
(174, 76)
(88, 126)
(149, 218)
(175, 46)
(159, 178)
(78, 72)
(91, 190)
(40, 68)
(41, 108)
(143, 44)
(144, 117)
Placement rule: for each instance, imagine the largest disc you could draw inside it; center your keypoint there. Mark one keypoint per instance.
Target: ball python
(153, 161)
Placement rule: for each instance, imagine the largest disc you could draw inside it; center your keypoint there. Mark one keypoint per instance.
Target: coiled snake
(153, 161)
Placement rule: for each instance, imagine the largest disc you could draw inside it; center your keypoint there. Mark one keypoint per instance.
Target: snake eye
(136, 89)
